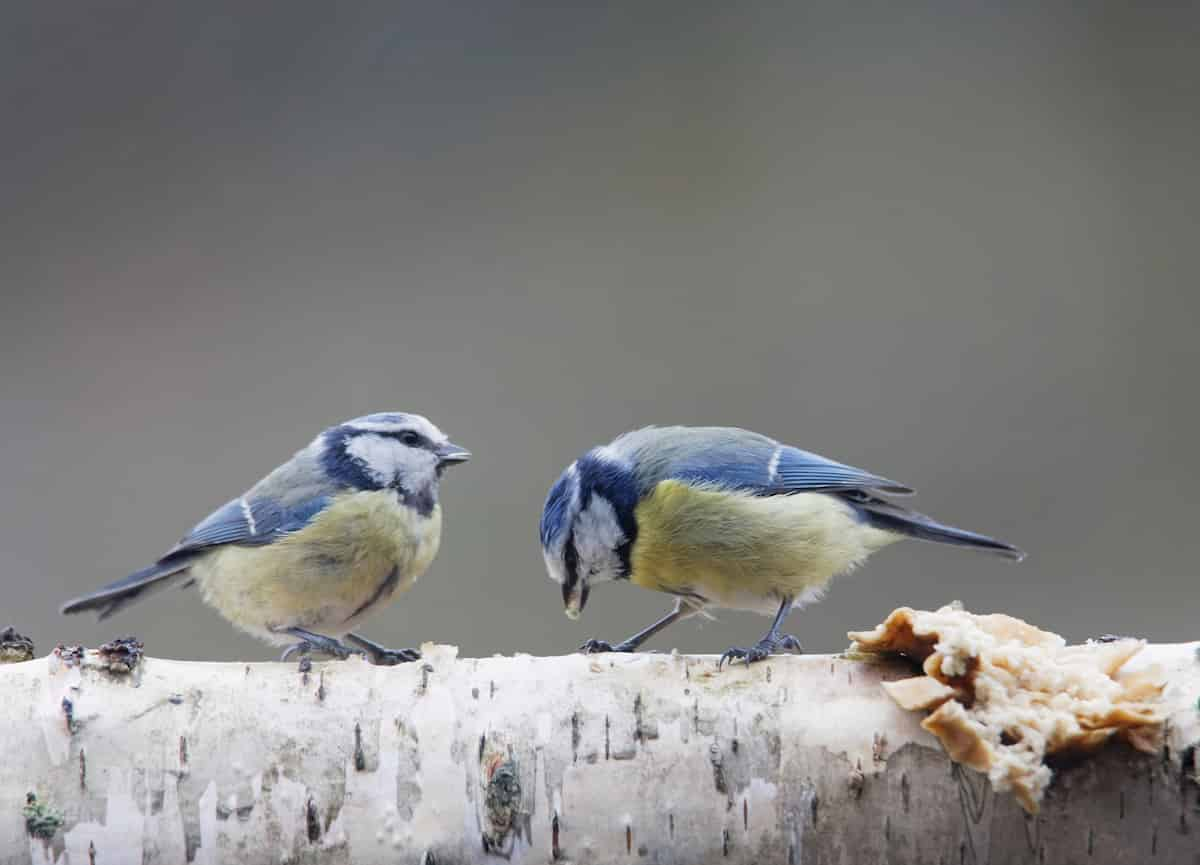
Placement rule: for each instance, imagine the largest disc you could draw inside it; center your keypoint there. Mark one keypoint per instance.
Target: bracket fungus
(1003, 695)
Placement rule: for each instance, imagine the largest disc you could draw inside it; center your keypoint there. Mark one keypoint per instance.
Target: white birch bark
(650, 758)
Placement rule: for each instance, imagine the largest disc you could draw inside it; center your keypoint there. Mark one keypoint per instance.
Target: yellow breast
(742, 551)
(371, 527)
(356, 554)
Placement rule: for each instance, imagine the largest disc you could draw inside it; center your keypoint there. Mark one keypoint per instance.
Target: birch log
(638, 758)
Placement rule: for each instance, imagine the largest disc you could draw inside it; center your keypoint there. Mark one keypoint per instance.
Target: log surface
(614, 758)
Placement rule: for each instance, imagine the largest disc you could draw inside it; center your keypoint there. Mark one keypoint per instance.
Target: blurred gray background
(952, 244)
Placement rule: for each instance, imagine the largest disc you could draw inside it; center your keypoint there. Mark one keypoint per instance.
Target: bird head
(589, 526)
(390, 450)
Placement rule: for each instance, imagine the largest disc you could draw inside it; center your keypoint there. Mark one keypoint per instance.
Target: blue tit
(722, 517)
(340, 529)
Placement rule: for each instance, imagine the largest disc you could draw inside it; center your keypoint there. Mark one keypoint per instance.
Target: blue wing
(799, 471)
(249, 522)
(780, 471)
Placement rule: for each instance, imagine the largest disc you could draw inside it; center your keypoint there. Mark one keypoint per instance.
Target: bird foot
(392, 657)
(764, 648)
(311, 642)
(381, 655)
(597, 647)
(304, 649)
(324, 645)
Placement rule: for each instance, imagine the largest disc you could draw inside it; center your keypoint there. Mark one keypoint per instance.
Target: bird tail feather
(127, 590)
(902, 521)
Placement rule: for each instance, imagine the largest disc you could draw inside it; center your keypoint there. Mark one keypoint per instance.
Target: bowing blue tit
(336, 532)
(722, 517)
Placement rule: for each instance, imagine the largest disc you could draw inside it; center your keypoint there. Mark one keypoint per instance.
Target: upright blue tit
(340, 529)
(722, 517)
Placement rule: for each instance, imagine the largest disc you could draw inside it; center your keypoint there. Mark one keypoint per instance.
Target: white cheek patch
(377, 455)
(554, 566)
(597, 537)
(418, 469)
(387, 460)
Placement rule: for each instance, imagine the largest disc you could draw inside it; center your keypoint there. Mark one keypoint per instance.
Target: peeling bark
(646, 757)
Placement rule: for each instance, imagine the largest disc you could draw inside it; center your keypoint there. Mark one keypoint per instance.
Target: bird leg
(772, 641)
(310, 642)
(382, 656)
(592, 647)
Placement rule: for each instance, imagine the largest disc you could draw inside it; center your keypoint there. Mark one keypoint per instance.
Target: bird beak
(575, 599)
(449, 454)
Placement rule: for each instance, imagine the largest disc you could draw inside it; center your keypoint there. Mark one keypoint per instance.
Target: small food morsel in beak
(575, 599)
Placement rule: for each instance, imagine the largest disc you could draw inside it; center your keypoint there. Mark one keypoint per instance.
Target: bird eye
(410, 438)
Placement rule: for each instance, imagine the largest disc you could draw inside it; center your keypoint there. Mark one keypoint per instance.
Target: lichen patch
(41, 821)
(121, 655)
(14, 647)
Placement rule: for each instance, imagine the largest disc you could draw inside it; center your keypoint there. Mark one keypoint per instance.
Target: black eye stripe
(409, 437)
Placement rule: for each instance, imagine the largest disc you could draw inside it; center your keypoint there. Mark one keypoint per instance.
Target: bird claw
(754, 653)
(392, 657)
(324, 645)
(764, 648)
(788, 643)
(302, 648)
(382, 656)
(598, 647)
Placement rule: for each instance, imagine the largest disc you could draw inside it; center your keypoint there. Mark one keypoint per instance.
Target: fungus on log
(109, 757)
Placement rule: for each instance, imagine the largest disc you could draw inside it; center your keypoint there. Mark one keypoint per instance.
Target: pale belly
(746, 552)
(354, 557)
